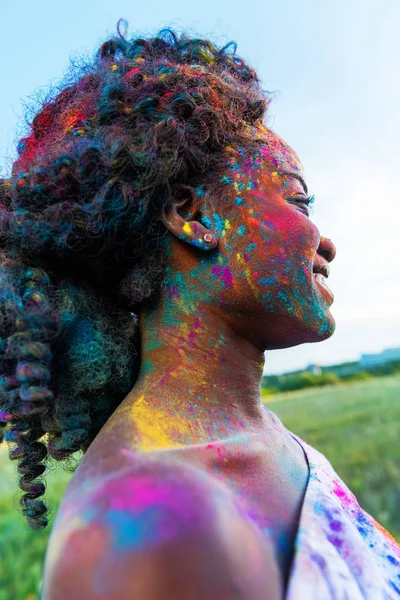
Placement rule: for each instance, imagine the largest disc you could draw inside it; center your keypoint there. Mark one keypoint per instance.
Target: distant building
(314, 369)
(388, 355)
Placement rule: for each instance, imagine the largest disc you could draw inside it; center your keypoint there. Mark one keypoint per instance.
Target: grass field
(356, 426)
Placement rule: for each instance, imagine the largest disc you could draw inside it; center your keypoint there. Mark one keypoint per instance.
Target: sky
(334, 68)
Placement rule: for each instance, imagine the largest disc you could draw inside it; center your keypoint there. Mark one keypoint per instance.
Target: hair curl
(81, 237)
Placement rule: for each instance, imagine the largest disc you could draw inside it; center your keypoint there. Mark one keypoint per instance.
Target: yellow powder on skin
(276, 178)
(240, 259)
(154, 427)
(227, 226)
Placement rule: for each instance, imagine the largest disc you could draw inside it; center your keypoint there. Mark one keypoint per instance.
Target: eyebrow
(296, 176)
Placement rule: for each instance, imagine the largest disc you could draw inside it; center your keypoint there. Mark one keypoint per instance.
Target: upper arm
(159, 534)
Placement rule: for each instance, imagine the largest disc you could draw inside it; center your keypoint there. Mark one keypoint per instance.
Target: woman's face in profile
(272, 262)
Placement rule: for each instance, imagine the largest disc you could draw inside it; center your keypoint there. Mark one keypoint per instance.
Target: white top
(341, 552)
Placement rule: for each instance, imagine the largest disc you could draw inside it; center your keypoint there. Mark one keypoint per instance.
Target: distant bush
(359, 376)
(305, 379)
(327, 378)
(300, 380)
(389, 368)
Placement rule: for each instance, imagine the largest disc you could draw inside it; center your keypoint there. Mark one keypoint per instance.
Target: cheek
(280, 253)
(286, 244)
(295, 243)
(270, 250)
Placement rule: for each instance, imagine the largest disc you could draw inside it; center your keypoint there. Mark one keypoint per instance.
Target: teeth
(321, 278)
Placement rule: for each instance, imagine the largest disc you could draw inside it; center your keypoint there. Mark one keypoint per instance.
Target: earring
(208, 238)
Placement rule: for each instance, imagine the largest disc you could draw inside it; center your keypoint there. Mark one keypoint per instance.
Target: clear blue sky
(335, 65)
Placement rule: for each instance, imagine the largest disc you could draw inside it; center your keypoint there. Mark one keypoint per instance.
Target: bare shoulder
(159, 530)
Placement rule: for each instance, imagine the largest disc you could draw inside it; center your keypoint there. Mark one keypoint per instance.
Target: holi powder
(225, 274)
(146, 508)
(154, 427)
(386, 534)
(145, 511)
(290, 283)
(345, 496)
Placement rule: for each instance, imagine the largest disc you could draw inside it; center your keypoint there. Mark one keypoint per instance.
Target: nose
(327, 249)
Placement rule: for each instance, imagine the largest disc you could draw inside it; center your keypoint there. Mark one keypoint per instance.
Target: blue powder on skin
(268, 299)
(147, 367)
(251, 247)
(130, 531)
(219, 223)
(153, 345)
(266, 281)
(285, 299)
(241, 230)
(239, 201)
(206, 221)
(180, 280)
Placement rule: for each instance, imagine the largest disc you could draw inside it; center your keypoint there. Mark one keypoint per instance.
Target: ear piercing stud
(208, 238)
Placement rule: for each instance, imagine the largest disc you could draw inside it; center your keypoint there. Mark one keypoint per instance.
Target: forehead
(279, 154)
(273, 156)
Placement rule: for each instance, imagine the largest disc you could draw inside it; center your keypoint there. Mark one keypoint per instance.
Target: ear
(180, 220)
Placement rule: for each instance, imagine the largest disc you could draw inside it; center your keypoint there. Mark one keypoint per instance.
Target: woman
(155, 242)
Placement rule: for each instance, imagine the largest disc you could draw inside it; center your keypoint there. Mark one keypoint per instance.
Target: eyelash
(307, 201)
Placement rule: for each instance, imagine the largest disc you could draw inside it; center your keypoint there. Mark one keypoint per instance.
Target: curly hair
(81, 237)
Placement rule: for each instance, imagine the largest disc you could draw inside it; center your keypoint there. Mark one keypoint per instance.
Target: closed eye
(302, 202)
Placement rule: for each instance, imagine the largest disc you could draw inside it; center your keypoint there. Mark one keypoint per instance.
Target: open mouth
(321, 269)
(321, 274)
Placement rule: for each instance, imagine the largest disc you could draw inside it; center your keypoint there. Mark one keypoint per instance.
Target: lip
(320, 274)
(322, 268)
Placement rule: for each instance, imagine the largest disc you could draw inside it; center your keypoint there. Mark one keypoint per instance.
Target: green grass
(21, 549)
(356, 426)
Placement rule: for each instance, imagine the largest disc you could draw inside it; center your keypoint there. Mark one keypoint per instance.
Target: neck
(199, 379)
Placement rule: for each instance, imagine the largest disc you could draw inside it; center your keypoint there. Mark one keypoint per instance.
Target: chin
(324, 332)
(318, 331)
(289, 331)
